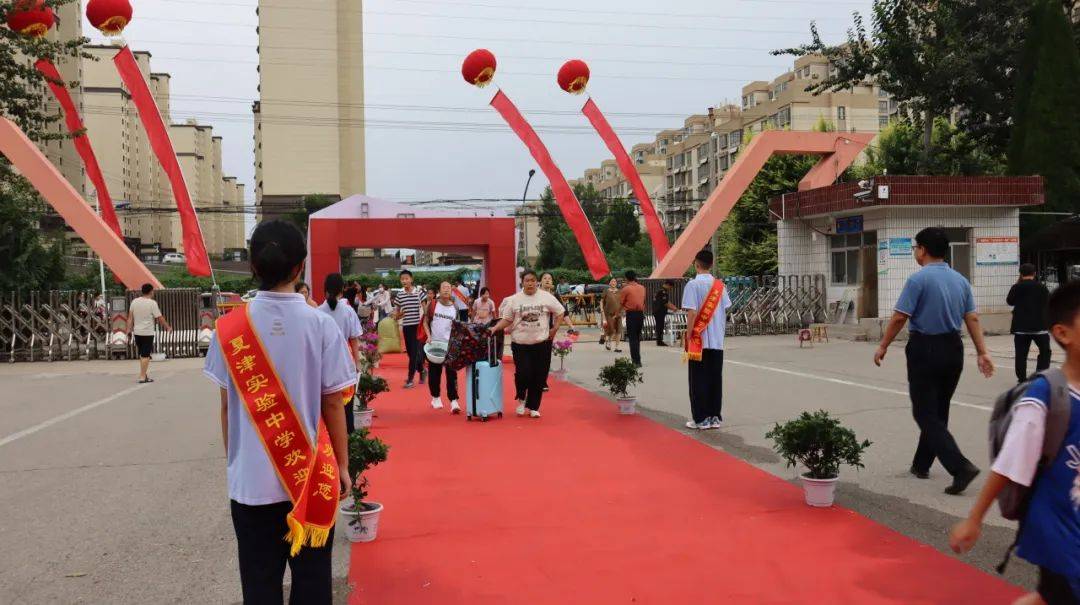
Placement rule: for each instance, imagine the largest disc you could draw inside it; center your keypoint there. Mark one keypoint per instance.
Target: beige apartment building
(309, 119)
(62, 152)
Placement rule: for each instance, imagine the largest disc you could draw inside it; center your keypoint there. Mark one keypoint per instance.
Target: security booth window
(845, 253)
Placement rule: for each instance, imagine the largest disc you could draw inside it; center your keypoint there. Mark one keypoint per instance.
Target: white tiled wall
(802, 251)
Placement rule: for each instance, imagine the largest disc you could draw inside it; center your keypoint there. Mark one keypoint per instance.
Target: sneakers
(409, 384)
(534, 413)
(521, 409)
(715, 422)
(703, 426)
(454, 407)
(436, 403)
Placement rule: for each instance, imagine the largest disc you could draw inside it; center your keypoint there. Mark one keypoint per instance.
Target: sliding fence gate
(764, 304)
(70, 325)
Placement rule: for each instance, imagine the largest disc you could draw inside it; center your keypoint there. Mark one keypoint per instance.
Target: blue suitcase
(483, 391)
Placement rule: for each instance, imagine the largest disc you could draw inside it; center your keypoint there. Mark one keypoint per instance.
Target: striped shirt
(411, 305)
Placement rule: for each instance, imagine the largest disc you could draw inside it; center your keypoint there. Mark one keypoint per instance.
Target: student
(303, 290)
(632, 299)
(547, 284)
(409, 307)
(281, 364)
(1028, 299)
(142, 315)
(483, 308)
(1050, 532)
(706, 302)
(939, 303)
(337, 307)
(533, 316)
(612, 308)
(661, 306)
(438, 322)
(462, 300)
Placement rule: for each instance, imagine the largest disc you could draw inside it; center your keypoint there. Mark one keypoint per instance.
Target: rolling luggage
(484, 387)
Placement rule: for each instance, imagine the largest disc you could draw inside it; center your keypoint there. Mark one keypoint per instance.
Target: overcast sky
(652, 64)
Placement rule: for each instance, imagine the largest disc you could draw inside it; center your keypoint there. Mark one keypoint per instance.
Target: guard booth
(862, 236)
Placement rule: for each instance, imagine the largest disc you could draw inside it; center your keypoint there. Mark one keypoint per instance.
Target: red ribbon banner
(564, 195)
(198, 262)
(626, 165)
(82, 142)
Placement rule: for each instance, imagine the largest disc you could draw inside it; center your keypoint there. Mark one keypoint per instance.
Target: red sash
(694, 341)
(309, 474)
(461, 297)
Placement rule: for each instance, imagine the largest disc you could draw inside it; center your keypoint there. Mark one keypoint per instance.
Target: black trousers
(547, 363)
(1022, 344)
(260, 532)
(463, 315)
(707, 385)
(413, 350)
(350, 417)
(1056, 589)
(661, 319)
(435, 381)
(531, 364)
(635, 321)
(934, 367)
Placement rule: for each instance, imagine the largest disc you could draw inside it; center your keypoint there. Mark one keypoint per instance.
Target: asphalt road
(115, 492)
(769, 379)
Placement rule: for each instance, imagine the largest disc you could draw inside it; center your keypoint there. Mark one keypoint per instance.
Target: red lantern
(109, 16)
(574, 76)
(479, 67)
(31, 18)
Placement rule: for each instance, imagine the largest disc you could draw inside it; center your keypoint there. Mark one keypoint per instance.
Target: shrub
(819, 442)
(620, 376)
(365, 452)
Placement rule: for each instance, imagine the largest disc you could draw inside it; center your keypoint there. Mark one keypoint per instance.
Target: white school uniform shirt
(443, 321)
(694, 294)
(305, 348)
(346, 319)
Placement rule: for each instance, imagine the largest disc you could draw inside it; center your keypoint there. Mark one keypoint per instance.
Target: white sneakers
(454, 407)
(521, 409)
(436, 403)
(705, 425)
(534, 413)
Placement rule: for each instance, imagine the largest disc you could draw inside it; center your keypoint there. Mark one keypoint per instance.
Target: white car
(173, 258)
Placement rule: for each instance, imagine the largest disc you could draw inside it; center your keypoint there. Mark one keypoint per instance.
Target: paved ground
(769, 379)
(115, 493)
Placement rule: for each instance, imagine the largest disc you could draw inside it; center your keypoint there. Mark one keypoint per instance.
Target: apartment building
(312, 110)
(62, 152)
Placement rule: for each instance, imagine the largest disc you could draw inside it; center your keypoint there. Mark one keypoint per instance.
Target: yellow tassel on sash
(301, 535)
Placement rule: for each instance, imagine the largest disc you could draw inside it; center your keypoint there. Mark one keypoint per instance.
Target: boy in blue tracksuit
(1050, 537)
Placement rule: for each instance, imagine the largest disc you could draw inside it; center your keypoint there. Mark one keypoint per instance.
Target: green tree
(309, 204)
(28, 258)
(1046, 136)
(620, 225)
(953, 152)
(933, 57)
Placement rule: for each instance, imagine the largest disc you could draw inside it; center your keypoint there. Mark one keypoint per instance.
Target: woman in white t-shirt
(438, 321)
(483, 308)
(533, 315)
(349, 325)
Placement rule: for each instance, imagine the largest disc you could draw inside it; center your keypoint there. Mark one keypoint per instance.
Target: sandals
(147, 380)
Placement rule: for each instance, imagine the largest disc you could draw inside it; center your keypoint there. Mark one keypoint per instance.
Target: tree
(28, 259)
(953, 152)
(309, 204)
(1046, 136)
(933, 57)
(620, 226)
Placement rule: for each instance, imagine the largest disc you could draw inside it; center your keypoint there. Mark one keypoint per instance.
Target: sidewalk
(585, 506)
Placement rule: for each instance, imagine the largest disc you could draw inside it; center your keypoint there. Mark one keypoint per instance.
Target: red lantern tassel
(82, 142)
(198, 262)
(564, 195)
(626, 165)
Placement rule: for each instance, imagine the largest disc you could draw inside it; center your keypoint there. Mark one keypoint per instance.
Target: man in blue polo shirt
(938, 302)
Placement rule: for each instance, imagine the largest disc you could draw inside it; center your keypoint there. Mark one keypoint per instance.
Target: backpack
(1013, 499)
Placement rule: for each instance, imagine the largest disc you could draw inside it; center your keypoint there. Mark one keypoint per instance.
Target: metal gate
(182, 308)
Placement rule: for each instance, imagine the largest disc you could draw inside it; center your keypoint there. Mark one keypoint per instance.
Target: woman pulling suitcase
(438, 321)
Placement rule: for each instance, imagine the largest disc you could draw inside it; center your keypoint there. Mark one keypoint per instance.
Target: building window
(845, 252)
(883, 106)
(841, 113)
(883, 121)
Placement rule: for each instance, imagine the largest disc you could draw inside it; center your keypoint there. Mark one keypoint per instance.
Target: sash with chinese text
(308, 474)
(694, 340)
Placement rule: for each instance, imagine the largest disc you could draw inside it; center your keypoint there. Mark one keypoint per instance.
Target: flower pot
(628, 405)
(362, 527)
(819, 492)
(363, 417)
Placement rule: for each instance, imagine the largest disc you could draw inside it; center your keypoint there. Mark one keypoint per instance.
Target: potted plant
(562, 348)
(618, 378)
(362, 517)
(821, 444)
(369, 349)
(368, 387)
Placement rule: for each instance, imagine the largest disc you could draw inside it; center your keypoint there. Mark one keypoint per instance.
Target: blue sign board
(900, 246)
(849, 224)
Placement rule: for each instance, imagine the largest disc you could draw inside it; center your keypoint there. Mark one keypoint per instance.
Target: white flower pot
(363, 417)
(819, 492)
(362, 528)
(627, 406)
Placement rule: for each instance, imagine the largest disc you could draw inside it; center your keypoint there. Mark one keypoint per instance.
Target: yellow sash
(308, 474)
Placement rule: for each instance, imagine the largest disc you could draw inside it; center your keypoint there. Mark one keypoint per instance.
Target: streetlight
(525, 222)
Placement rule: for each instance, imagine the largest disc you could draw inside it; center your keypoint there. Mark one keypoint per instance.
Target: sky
(432, 136)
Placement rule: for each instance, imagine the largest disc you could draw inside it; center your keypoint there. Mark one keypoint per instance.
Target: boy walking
(409, 305)
(1050, 532)
(143, 316)
(1028, 299)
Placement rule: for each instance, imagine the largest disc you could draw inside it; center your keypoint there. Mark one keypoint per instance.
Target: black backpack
(1013, 500)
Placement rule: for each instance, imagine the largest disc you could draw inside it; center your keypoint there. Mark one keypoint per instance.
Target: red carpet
(585, 506)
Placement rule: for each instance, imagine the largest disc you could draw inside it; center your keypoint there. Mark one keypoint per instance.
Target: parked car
(174, 258)
(595, 288)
